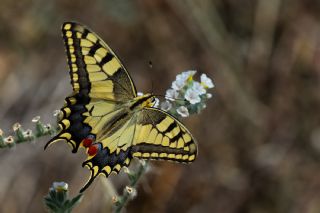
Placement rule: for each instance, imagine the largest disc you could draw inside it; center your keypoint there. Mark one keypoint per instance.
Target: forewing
(100, 82)
(95, 69)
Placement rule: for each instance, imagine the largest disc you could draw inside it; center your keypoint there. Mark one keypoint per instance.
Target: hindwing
(149, 134)
(161, 136)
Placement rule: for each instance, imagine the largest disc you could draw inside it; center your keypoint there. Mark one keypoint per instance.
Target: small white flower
(156, 102)
(60, 186)
(47, 126)
(126, 170)
(131, 191)
(9, 140)
(206, 81)
(139, 93)
(143, 162)
(115, 199)
(27, 133)
(183, 111)
(178, 84)
(16, 126)
(171, 94)
(192, 96)
(209, 95)
(198, 88)
(185, 75)
(181, 79)
(166, 105)
(36, 119)
(191, 73)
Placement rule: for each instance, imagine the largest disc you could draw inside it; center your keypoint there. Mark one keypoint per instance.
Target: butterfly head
(152, 101)
(146, 100)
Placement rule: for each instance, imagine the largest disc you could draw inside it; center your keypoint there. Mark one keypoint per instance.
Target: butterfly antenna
(150, 67)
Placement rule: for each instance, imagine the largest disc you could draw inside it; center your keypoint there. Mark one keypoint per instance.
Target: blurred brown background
(259, 138)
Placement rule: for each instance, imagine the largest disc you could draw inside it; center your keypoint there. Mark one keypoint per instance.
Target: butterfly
(105, 115)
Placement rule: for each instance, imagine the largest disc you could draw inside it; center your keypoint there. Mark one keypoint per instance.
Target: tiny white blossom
(209, 95)
(139, 93)
(181, 79)
(198, 88)
(156, 102)
(27, 133)
(126, 170)
(36, 119)
(143, 162)
(166, 105)
(192, 96)
(185, 75)
(178, 84)
(183, 111)
(60, 186)
(171, 94)
(115, 199)
(206, 81)
(9, 140)
(16, 127)
(131, 191)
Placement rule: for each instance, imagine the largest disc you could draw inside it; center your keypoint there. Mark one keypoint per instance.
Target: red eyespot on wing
(87, 142)
(93, 149)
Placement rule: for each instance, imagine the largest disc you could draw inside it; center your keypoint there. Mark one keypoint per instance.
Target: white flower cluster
(186, 95)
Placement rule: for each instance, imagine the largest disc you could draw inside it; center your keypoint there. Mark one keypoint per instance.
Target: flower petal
(192, 96)
(198, 88)
(156, 102)
(171, 94)
(166, 105)
(206, 81)
(183, 111)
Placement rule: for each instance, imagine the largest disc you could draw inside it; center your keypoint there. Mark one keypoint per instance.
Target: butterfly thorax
(140, 102)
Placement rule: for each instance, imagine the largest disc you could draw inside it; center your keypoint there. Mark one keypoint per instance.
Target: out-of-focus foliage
(259, 137)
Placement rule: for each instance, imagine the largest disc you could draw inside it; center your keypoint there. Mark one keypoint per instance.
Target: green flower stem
(134, 179)
(19, 135)
(22, 136)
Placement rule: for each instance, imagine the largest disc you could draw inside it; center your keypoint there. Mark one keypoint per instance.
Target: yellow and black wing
(100, 83)
(161, 136)
(149, 134)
